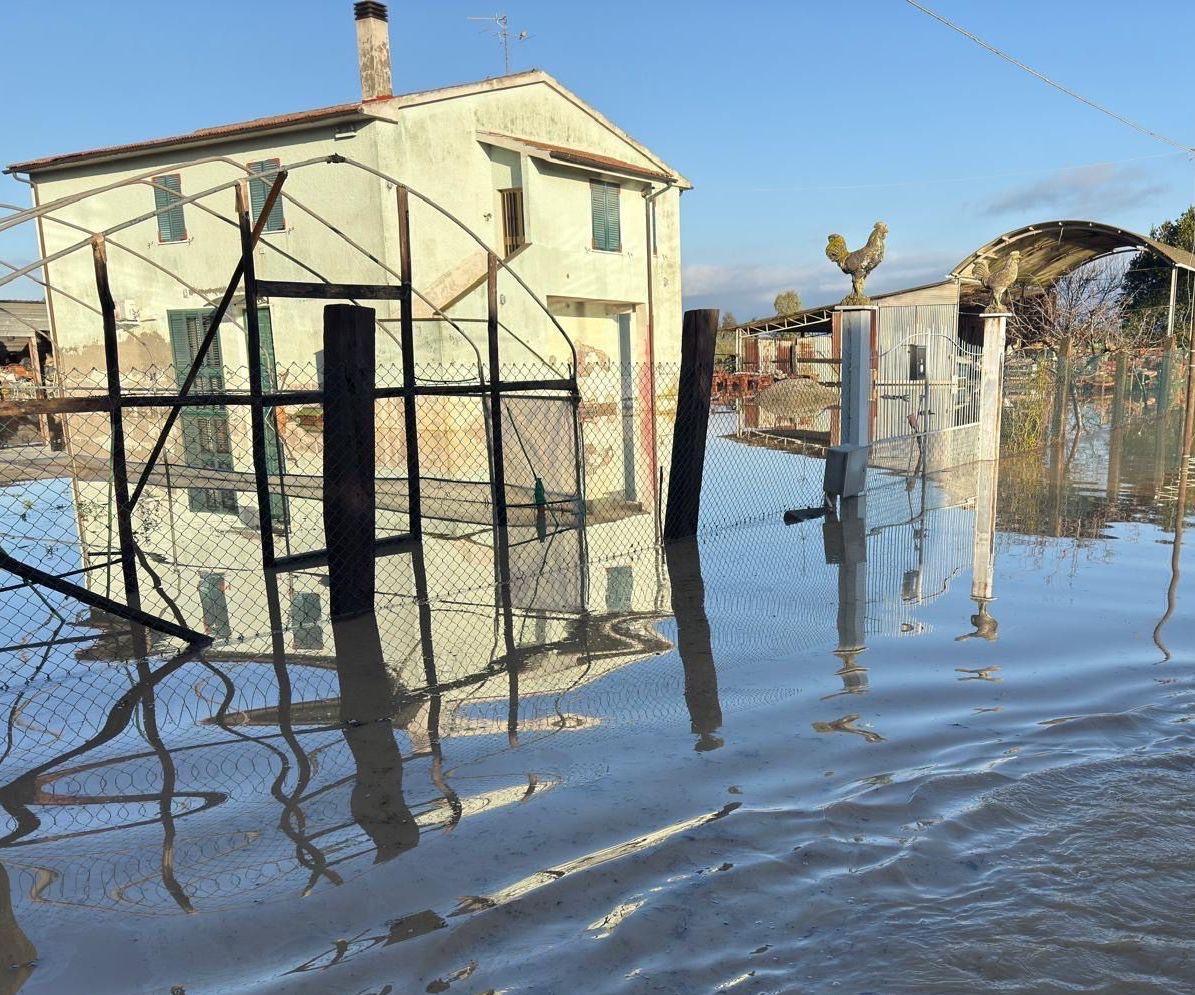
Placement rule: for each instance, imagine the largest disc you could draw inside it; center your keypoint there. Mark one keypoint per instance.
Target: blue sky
(793, 119)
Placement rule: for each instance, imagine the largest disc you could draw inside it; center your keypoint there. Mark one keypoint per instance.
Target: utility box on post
(846, 471)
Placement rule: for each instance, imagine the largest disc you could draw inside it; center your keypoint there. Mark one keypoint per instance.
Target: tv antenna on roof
(501, 28)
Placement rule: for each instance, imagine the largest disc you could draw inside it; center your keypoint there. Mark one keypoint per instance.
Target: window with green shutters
(259, 189)
(207, 437)
(214, 603)
(171, 224)
(607, 230)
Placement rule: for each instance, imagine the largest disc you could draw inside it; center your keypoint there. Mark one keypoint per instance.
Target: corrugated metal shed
(19, 320)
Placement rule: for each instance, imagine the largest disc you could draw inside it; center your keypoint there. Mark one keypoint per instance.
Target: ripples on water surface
(893, 772)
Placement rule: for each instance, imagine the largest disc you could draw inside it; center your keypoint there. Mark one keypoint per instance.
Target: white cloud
(1091, 190)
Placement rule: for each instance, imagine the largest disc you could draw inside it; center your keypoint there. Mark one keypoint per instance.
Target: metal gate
(926, 378)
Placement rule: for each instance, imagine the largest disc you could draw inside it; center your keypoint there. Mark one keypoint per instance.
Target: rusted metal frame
(407, 347)
(498, 484)
(88, 597)
(402, 543)
(213, 328)
(331, 291)
(120, 474)
(380, 263)
(181, 202)
(62, 576)
(257, 413)
(472, 234)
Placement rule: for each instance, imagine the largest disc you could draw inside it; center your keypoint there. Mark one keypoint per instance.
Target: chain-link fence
(585, 481)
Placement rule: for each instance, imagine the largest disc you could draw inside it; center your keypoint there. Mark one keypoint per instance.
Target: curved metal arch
(473, 235)
(1051, 249)
(147, 178)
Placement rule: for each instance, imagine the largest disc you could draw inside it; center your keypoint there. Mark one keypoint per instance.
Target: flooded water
(941, 744)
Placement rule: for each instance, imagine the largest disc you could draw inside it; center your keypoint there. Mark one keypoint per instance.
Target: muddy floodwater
(942, 744)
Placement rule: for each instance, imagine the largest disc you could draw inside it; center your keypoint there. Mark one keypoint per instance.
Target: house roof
(21, 319)
(579, 157)
(202, 136)
(378, 109)
(817, 315)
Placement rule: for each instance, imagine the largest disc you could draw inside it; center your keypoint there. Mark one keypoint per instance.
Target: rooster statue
(997, 280)
(858, 264)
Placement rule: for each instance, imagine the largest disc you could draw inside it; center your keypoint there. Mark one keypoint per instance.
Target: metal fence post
(120, 475)
(407, 346)
(257, 415)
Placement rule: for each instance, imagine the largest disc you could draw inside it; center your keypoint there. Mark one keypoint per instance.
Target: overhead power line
(1000, 53)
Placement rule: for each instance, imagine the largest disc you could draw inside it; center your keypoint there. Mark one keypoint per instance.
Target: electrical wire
(1000, 53)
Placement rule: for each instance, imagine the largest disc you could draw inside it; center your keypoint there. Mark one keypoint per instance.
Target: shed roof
(1051, 249)
(21, 319)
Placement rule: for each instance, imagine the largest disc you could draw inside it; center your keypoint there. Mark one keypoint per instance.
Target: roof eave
(71, 160)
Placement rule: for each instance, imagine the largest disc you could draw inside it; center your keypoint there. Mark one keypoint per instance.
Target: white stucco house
(586, 215)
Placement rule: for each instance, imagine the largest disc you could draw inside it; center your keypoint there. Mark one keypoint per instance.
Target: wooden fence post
(692, 420)
(349, 456)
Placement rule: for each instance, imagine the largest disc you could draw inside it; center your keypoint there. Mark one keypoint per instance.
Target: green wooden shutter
(305, 621)
(613, 221)
(215, 606)
(207, 440)
(171, 224)
(258, 189)
(607, 229)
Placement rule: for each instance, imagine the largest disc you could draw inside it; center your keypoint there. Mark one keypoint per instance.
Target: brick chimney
(373, 49)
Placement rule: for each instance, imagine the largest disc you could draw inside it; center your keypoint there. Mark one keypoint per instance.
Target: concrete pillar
(857, 325)
(991, 384)
(846, 463)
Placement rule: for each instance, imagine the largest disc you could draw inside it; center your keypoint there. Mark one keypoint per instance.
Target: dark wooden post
(349, 487)
(120, 473)
(256, 409)
(692, 419)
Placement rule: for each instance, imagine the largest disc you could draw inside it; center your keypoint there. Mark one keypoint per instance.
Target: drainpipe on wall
(649, 230)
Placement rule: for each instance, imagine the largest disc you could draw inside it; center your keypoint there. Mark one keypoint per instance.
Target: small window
(258, 190)
(607, 230)
(168, 190)
(513, 235)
